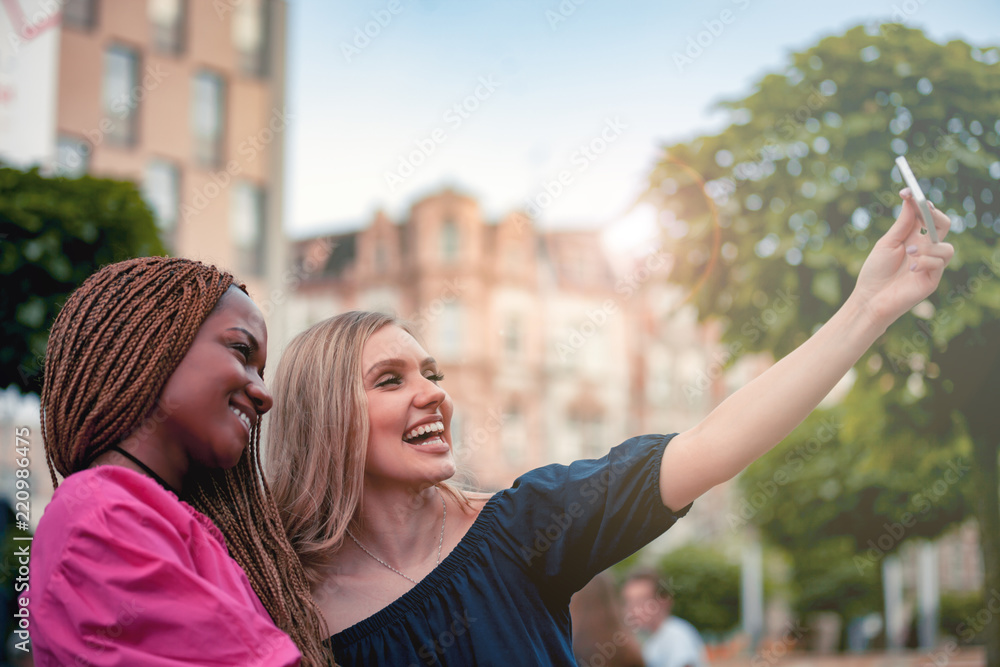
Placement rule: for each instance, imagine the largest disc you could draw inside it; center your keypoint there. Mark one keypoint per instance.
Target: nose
(258, 393)
(431, 394)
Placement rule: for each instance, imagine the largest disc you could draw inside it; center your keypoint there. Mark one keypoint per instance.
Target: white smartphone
(918, 196)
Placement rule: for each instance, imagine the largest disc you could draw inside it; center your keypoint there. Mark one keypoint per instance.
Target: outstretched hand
(904, 267)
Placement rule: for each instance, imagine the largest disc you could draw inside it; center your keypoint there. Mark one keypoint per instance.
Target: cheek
(384, 417)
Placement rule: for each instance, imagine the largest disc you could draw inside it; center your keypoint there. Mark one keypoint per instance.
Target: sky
(557, 107)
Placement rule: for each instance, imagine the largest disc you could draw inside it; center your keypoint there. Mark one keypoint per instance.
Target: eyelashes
(398, 379)
(394, 379)
(246, 351)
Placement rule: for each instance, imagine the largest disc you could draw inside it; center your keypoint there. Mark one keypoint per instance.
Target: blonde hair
(318, 435)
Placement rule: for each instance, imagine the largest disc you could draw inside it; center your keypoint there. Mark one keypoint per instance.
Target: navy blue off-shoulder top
(501, 597)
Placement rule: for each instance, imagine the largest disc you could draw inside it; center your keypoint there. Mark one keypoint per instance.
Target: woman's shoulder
(112, 503)
(111, 488)
(112, 542)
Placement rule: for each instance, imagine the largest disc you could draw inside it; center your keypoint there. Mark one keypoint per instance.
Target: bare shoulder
(470, 511)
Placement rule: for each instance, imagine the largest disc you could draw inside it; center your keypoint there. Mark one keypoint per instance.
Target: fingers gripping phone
(918, 196)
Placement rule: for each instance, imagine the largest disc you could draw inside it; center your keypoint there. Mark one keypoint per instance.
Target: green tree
(54, 233)
(844, 491)
(705, 586)
(770, 221)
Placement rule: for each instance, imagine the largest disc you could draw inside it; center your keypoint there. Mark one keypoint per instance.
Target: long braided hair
(112, 348)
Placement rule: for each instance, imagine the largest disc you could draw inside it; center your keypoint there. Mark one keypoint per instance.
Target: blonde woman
(409, 571)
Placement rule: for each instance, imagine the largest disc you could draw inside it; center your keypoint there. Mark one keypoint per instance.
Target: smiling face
(217, 392)
(409, 414)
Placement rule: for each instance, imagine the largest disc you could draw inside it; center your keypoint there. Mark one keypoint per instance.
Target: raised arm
(903, 268)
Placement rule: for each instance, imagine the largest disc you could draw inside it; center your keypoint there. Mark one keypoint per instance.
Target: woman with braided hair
(153, 393)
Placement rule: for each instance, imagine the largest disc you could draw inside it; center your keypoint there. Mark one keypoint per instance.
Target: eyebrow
(378, 365)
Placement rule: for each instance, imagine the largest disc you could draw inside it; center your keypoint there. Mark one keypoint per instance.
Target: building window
(512, 336)
(381, 264)
(449, 241)
(207, 114)
(589, 433)
(450, 330)
(121, 68)
(250, 22)
(515, 436)
(512, 259)
(80, 14)
(72, 156)
(166, 18)
(161, 189)
(247, 227)
(404, 242)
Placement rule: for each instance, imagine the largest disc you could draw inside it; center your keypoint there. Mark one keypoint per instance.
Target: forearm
(758, 416)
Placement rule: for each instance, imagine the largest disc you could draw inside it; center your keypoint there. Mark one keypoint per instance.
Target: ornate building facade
(552, 349)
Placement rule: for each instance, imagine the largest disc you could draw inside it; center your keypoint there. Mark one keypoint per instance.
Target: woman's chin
(445, 471)
(228, 458)
(448, 472)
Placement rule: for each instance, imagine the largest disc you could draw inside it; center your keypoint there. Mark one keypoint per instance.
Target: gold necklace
(444, 517)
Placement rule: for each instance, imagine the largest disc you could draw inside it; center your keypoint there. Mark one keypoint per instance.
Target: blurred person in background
(667, 641)
(600, 637)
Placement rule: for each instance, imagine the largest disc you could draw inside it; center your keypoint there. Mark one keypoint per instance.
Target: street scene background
(601, 220)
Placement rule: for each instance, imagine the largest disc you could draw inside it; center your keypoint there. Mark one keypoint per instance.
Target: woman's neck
(151, 455)
(401, 526)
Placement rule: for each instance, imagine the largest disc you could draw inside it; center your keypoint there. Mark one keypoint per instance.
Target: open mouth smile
(243, 417)
(426, 433)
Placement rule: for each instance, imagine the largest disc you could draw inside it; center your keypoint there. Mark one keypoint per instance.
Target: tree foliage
(705, 586)
(770, 221)
(55, 232)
